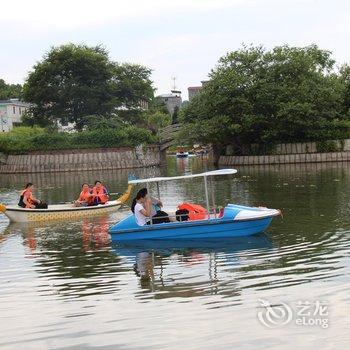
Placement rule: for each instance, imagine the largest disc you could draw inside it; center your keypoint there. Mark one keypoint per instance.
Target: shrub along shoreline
(23, 140)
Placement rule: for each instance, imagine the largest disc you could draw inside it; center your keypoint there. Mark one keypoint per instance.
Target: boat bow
(2, 208)
(123, 198)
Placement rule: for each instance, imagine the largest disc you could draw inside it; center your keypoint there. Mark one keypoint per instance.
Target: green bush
(329, 146)
(334, 130)
(26, 139)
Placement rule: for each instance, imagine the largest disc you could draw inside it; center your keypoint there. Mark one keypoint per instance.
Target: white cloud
(84, 13)
(184, 38)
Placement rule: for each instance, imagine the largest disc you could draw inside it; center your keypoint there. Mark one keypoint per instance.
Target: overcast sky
(181, 38)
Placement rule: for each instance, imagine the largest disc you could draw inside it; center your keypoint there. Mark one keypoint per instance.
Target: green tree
(71, 82)
(75, 81)
(257, 96)
(345, 79)
(132, 84)
(157, 120)
(97, 122)
(132, 90)
(10, 90)
(156, 104)
(175, 115)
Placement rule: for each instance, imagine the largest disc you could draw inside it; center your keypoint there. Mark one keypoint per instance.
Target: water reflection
(72, 274)
(162, 266)
(95, 234)
(82, 260)
(75, 262)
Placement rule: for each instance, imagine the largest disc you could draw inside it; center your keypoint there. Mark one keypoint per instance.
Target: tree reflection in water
(77, 258)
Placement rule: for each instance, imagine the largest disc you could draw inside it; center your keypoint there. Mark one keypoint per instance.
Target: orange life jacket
(99, 196)
(85, 196)
(196, 212)
(29, 198)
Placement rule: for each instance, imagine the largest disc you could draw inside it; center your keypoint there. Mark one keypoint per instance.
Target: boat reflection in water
(76, 255)
(82, 260)
(95, 234)
(187, 268)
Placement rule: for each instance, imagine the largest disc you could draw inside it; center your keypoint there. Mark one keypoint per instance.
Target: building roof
(195, 87)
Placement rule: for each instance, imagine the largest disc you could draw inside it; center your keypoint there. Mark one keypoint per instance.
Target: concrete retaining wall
(288, 148)
(285, 158)
(308, 147)
(82, 160)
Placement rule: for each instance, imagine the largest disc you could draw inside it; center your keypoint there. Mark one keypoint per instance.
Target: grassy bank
(22, 140)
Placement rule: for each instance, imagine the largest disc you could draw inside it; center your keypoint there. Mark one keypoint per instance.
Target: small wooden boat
(62, 211)
(233, 221)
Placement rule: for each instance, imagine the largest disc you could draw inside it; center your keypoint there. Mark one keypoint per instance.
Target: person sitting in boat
(85, 197)
(142, 208)
(27, 200)
(99, 194)
(142, 215)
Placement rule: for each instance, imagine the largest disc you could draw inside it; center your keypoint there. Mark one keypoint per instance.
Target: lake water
(67, 286)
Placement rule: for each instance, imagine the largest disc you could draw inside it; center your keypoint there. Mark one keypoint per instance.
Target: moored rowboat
(62, 211)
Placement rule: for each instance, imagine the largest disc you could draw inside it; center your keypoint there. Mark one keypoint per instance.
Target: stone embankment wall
(308, 147)
(287, 153)
(82, 160)
(286, 158)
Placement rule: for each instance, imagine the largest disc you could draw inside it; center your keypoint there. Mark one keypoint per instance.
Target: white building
(11, 113)
(171, 100)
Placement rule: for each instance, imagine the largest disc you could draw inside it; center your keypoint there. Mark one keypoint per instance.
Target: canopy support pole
(206, 195)
(213, 196)
(158, 192)
(147, 186)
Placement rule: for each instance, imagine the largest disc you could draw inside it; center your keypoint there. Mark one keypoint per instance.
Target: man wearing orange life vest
(85, 197)
(99, 194)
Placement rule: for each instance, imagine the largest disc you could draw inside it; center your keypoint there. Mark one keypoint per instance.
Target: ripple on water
(66, 284)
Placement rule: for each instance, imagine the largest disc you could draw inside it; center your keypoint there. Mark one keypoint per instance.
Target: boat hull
(59, 212)
(236, 221)
(195, 229)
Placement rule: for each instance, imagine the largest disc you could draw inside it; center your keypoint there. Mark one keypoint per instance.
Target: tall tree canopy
(76, 81)
(10, 90)
(345, 79)
(257, 96)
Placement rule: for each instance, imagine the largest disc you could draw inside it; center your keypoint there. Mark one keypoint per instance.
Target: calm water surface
(67, 286)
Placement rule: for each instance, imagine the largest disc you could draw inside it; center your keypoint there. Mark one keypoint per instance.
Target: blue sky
(182, 38)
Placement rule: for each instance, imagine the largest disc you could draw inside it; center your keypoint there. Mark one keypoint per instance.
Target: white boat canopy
(172, 178)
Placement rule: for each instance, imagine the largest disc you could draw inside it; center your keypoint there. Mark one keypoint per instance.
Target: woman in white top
(142, 209)
(142, 214)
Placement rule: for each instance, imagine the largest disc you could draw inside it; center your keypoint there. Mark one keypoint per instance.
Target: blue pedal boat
(234, 220)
